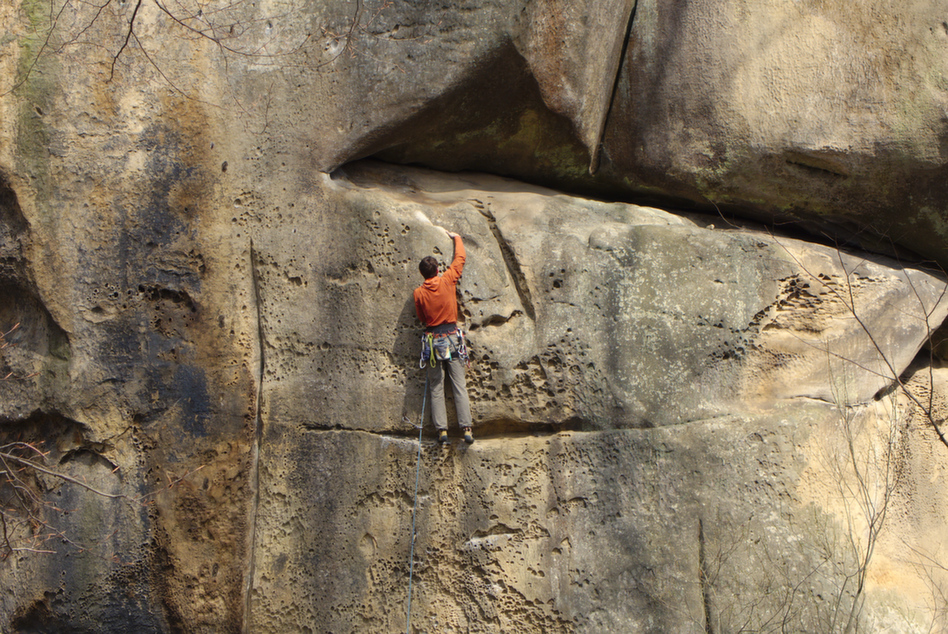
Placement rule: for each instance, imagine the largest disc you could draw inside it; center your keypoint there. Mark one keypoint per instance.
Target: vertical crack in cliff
(703, 579)
(510, 260)
(596, 150)
(258, 434)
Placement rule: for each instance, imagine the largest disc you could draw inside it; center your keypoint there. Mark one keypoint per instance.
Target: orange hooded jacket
(436, 300)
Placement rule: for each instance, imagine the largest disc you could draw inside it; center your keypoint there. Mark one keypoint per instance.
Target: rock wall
(685, 421)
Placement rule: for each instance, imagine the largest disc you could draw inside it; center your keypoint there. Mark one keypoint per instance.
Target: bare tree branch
(850, 307)
(128, 35)
(62, 476)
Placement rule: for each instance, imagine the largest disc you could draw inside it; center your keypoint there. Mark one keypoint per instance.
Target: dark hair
(428, 267)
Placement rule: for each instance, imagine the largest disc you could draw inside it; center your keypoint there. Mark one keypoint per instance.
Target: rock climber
(443, 347)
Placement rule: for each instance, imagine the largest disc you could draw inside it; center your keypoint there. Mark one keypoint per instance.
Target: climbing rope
(414, 508)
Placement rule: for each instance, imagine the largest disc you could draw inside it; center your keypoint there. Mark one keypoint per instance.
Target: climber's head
(428, 267)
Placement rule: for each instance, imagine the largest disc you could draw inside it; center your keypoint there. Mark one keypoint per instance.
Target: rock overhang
(670, 103)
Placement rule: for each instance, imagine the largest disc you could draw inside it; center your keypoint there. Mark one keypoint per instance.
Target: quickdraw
(462, 349)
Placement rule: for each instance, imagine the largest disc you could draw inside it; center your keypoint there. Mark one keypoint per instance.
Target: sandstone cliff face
(684, 421)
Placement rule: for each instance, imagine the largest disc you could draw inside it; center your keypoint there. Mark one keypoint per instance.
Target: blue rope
(414, 509)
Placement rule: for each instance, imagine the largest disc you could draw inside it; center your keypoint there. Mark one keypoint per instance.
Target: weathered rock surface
(673, 410)
(833, 111)
(538, 533)
(596, 315)
(665, 530)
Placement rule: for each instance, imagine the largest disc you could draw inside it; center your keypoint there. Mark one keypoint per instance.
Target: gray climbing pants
(455, 371)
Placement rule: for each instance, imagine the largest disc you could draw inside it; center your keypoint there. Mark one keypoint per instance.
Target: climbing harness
(438, 347)
(414, 508)
(434, 348)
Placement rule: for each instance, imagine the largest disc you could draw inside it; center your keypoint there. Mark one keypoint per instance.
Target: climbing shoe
(443, 437)
(468, 436)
